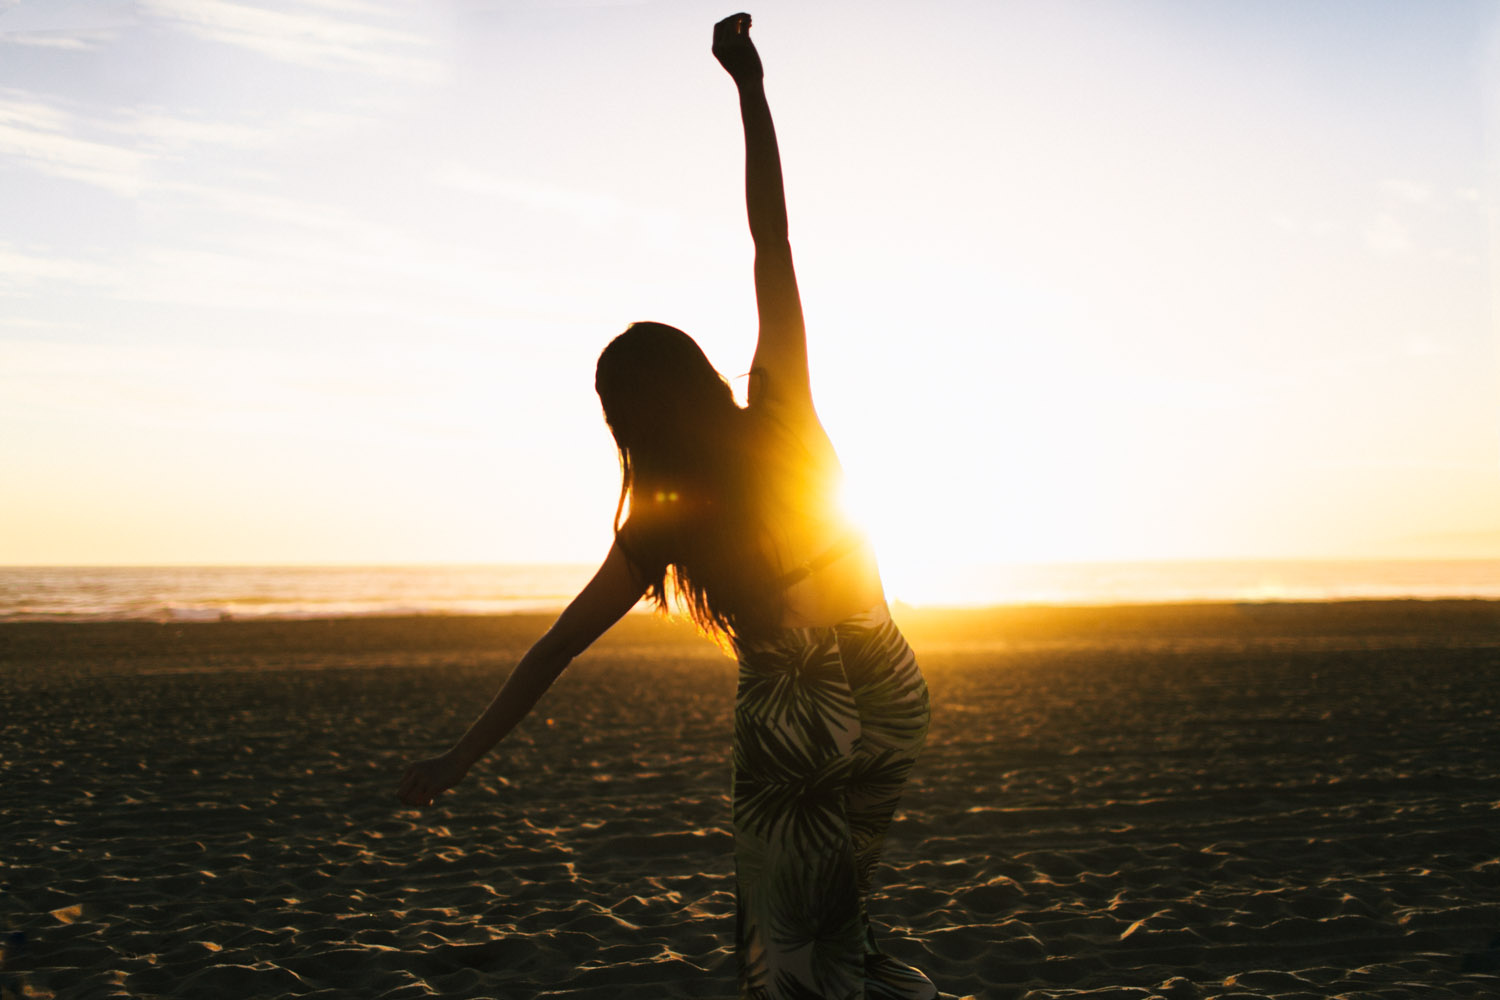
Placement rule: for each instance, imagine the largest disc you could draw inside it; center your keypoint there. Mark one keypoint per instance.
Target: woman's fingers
(734, 49)
(730, 30)
(734, 24)
(414, 789)
(425, 780)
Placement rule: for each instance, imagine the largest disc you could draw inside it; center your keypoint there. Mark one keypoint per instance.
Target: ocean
(210, 593)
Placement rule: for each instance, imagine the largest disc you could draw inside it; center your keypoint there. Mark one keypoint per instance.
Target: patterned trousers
(827, 724)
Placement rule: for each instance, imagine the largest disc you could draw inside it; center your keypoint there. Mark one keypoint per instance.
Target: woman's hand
(425, 780)
(734, 49)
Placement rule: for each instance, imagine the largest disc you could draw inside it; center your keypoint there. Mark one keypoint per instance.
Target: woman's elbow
(558, 647)
(772, 248)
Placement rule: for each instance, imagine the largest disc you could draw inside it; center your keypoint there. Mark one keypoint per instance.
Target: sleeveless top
(799, 487)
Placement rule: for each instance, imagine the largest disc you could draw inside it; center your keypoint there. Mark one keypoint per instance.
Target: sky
(323, 281)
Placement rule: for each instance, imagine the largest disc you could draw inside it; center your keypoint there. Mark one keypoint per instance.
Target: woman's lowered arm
(613, 591)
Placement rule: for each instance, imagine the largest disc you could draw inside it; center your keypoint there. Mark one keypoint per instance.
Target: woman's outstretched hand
(425, 780)
(734, 49)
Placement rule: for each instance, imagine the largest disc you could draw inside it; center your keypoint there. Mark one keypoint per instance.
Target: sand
(1280, 801)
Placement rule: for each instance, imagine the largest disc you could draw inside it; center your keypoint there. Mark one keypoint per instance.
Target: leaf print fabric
(827, 724)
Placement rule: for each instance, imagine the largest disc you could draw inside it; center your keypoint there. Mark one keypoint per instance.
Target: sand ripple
(1278, 817)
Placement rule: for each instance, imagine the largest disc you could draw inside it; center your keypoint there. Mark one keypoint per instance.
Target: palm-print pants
(827, 724)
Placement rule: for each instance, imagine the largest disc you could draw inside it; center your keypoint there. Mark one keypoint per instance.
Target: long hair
(696, 473)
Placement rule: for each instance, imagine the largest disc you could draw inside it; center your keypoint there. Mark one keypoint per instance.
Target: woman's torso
(835, 588)
(835, 593)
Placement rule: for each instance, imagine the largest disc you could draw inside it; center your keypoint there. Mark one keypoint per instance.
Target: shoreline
(1467, 622)
(224, 592)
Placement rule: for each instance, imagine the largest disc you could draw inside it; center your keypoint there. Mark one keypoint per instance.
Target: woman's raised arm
(779, 371)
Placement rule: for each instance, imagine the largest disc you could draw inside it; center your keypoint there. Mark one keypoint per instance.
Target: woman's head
(659, 391)
(688, 461)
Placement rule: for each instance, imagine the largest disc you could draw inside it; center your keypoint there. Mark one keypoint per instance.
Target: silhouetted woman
(731, 511)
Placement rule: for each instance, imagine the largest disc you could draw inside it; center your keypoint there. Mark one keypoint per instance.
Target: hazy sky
(324, 280)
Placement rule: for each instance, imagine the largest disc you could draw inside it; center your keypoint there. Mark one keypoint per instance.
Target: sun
(920, 544)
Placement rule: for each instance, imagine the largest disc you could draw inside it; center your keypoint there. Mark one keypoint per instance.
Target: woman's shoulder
(795, 431)
(770, 393)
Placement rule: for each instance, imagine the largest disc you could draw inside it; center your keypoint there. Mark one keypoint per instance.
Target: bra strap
(851, 541)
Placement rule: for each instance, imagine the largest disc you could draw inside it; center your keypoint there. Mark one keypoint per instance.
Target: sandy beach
(1234, 801)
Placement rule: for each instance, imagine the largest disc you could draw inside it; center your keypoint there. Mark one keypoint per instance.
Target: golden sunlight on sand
(1276, 802)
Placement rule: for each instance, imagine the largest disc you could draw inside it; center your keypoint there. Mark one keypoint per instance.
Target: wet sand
(1279, 801)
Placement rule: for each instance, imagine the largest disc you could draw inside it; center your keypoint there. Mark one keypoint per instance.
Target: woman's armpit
(766, 394)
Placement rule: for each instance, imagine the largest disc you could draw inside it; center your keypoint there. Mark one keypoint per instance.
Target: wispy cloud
(46, 138)
(307, 37)
(30, 20)
(71, 26)
(176, 131)
(350, 6)
(31, 326)
(128, 150)
(20, 271)
(339, 272)
(505, 5)
(55, 40)
(582, 206)
(1423, 346)
(1412, 192)
(650, 225)
(1387, 236)
(1302, 226)
(272, 210)
(283, 255)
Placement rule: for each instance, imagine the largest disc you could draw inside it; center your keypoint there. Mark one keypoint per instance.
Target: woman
(731, 512)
